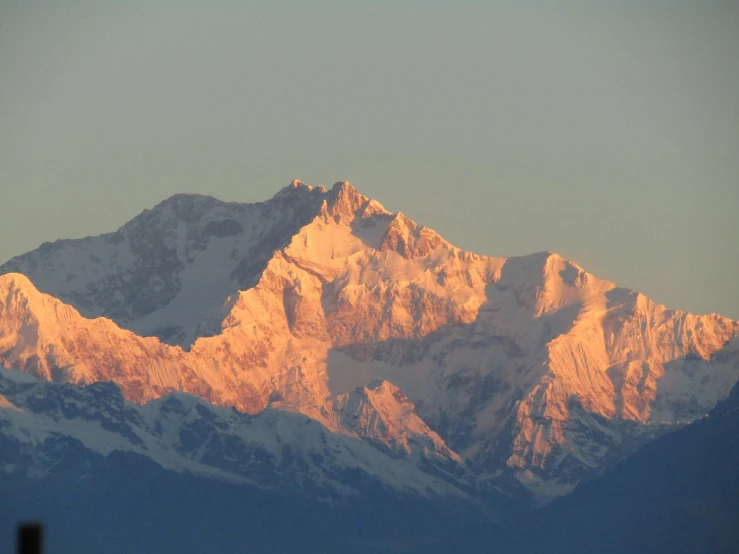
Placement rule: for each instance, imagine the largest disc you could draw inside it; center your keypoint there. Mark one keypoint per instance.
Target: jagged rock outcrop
(382, 413)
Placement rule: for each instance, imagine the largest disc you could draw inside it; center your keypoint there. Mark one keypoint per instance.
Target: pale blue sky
(606, 131)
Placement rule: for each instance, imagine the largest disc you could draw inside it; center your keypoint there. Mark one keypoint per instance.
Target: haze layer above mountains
(323, 303)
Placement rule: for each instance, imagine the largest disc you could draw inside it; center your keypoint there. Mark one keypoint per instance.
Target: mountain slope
(527, 366)
(274, 450)
(82, 499)
(679, 494)
(154, 276)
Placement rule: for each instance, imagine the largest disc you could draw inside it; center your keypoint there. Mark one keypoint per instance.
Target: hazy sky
(606, 131)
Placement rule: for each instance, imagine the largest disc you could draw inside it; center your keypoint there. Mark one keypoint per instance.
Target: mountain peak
(16, 283)
(9, 278)
(298, 183)
(344, 189)
(344, 185)
(188, 207)
(382, 413)
(343, 202)
(407, 238)
(298, 188)
(186, 199)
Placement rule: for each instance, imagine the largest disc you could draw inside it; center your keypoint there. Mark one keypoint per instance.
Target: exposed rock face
(527, 365)
(381, 412)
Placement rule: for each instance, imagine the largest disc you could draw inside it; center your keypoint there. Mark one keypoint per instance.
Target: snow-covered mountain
(273, 450)
(322, 302)
(169, 271)
(679, 493)
(181, 475)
